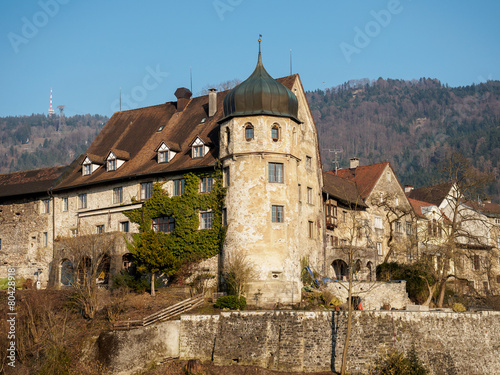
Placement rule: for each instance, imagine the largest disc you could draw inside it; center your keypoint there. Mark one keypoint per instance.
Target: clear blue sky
(87, 50)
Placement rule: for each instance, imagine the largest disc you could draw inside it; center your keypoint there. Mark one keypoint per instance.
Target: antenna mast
(290, 61)
(51, 110)
(335, 161)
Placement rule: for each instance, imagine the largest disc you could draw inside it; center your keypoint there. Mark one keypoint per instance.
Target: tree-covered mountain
(413, 124)
(37, 141)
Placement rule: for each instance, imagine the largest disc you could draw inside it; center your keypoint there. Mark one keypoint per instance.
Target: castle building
(262, 135)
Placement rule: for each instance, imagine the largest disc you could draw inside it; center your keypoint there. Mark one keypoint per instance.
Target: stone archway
(66, 272)
(340, 269)
(369, 267)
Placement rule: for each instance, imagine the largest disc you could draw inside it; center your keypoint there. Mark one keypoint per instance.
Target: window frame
(277, 213)
(65, 204)
(163, 156)
(378, 220)
(87, 169)
(100, 229)
(226, 172)
(206, 220)
(82, 201)
(179, 185)
(118, 197)
(125, 226)
(163, 224)
(249, 128)
(308, 162)
(274, 174)
(310, 229)
(310, 199)
(379, 249)
(198, 151)
(146, 190)
(111, 165)
(275, 133)
(206, 184)
(46, 206)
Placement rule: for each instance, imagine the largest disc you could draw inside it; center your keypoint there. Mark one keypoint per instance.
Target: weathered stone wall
(373, 294)
(448, 343)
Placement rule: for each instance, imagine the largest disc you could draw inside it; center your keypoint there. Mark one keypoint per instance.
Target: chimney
(182, 94)
(354, 163)
(409, 188)
(212, 102)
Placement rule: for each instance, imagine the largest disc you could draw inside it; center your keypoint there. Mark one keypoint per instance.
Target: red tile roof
(137, 132)
(432, 194)
(417, 206)
(33, 182)
(341, 189)
(365, 177)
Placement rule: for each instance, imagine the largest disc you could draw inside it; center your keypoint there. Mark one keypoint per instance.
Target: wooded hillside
(413, 124)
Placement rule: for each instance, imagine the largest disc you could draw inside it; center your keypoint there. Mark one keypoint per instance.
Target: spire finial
(260, 40)
(260, 57)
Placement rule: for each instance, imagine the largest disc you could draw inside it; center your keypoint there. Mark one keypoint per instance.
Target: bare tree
(89, 256)
(238, 271)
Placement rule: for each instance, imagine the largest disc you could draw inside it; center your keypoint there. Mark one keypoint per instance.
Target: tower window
(249, 132)
(228, 136)
(275, 133)
(276, 172)
(277, 214)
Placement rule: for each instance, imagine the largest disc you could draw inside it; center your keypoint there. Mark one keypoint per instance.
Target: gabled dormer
(165, 153)
(115, 159)
(89, 164)
(199, 148)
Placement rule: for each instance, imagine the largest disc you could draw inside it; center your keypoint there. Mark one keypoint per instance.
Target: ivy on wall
(167, 251)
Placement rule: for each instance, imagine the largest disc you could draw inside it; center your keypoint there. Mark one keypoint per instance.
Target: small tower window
(228, 136)
(275, 133)
(249, 132)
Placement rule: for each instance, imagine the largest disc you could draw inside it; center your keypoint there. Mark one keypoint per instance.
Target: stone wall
(373, 294)
(448, 343)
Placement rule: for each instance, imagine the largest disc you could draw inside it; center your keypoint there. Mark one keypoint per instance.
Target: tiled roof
(35, 181)
(489, 209)
(137, 132)
(417, 206)
(432, 194)
(342, 189)
(365, 177)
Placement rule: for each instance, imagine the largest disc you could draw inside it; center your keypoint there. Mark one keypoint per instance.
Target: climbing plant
(166, 252)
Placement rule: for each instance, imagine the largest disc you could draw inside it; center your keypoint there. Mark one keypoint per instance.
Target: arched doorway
(128, 262)
(103, 270)
(369, 266)
(340, 269)
(66, 272)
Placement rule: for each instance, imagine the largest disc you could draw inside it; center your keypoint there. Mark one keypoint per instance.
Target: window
(124, 226)
(0, 244)
(227, 177)
(379, 248)
(45, 239)
(99, 229)
(179, 186)
(277, 214)
(146, 190)
(309, 195)
(497, 221)
(206, 220)
(476, 263)
(434, 228)
(198, 152)
(224, 216)
(249, 132)
(46, 206)
(118, 195)
(310, 229)
(228, 136)
(162, 156)
(308, 162)
(408, 228)
(111, 165)
(378, 222)
(276, 172)
(344, 217)
(87, 169)
(498, 242)
(275, 133)
(206, 184)
(82, 200)
(300, 193)
(165, 224)
(331, 214)
(65, 204)
(399, 227)
(74, 232)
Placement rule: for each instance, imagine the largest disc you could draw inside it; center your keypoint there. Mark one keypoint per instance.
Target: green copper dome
(260, 94)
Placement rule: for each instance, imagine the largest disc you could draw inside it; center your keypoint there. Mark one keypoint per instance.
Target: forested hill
(37, 141)
(412, 124)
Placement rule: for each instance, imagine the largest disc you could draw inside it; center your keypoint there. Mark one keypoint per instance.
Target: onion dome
(260, 94)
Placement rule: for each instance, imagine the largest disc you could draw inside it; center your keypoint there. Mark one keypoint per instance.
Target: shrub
(137, 281)
(458, 307)
(231, 302)
(396, 363)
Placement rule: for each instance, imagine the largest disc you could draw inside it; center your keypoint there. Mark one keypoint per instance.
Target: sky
(89, 51)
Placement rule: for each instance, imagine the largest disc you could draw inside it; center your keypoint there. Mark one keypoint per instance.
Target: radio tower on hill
(51, 110)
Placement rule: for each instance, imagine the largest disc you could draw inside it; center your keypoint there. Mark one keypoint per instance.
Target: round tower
(272, 212)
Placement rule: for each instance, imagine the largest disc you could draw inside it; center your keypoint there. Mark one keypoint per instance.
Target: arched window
(275, 133)
(340, 268)
(249, 132)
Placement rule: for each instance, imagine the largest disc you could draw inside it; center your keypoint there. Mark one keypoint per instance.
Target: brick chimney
(183, 95)
(212, 102)
(354, 163)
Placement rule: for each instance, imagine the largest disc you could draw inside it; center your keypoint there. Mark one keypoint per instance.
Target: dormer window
(164, 153)
(198, 148)
(89, 165)
(111, 165)
(87, 169)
